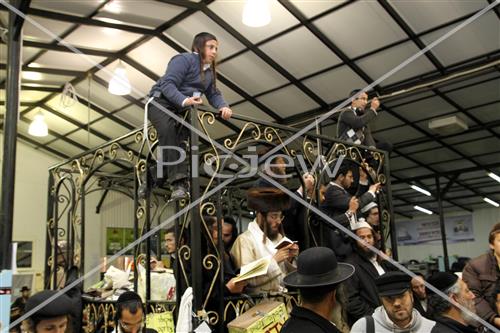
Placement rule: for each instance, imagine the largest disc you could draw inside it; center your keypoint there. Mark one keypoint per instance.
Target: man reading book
(261, 238)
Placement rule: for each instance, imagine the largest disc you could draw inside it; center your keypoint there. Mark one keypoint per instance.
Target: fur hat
(267, 199)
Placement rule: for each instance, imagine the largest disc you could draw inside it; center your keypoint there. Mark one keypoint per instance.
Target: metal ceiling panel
(33, 32)
(288, 101)
(184, 31)
(231, 12)
(313, 8)
(144, 13)
(384, 120)
(423, 15)
(250, 110)
(300, 61)
(157, 64)
(66, 148)
(43, 78)
(251, 73)
(89, 140)
(66, 60)
(398, 134)
(430, 107)
(336, 84)
(476, 95)
(110, 128)
(133, 115)
(79, 8)
(101, 38)
(480, 37)
(385, 61)
(77, 111)
(352, 28)
(229, 95)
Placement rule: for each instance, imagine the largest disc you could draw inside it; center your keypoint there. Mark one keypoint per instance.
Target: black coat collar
(306, 314)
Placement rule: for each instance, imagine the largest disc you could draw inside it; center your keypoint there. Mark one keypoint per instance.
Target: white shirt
(377, 266)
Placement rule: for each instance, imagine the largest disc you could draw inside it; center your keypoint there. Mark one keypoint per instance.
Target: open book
(285, 241)
(255, 268)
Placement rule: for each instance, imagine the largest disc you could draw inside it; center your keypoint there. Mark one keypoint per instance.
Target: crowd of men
(377, 296)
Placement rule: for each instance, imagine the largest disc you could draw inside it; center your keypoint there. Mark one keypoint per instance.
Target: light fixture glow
(34, 65)
(109, 20)
(423, 210)
(32, 76)
(491, 202)
(421, 190)
(494, 176)
(38, 127)
(113, 7)
(119, 83)
(256, 13)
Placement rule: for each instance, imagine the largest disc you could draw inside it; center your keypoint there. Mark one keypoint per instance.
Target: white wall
(30, 205)
(482, 220)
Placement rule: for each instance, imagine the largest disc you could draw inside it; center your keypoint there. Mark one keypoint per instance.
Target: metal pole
(392, 224)
(441, 225)
(50, 216)
(196, 277)
(9, 147)
(222, 258)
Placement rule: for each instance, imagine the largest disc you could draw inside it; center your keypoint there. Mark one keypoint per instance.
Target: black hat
(267, 199)
(59, 306)
(392, 283)
(318, 267)
(25, 288)
(442, 281)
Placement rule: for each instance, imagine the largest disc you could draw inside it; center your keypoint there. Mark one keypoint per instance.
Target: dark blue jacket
(183, 78)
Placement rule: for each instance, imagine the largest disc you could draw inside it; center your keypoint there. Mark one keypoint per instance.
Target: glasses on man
(130, 327)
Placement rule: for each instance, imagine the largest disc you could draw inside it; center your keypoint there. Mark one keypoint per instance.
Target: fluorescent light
(421, 190)
(494, 176)
(34, 65)
(119, 83)
(491, 202)
(256, 13)
(32, 76)
(423, 210)
(38, 127)
(113, 7)
(109, 20)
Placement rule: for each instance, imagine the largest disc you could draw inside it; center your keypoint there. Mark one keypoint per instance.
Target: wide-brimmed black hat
(25, 288)
(267, 199)
(59, 306)
(392, 283)
(318, 267)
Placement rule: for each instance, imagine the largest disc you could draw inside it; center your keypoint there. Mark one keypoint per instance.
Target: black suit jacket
(303, 320)
(361, 289)
(358, 121)
(335, 205)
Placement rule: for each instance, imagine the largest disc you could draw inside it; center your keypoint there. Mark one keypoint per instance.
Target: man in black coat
(353, 120)
(317, 278)
(361, 288)
(450, 318)
(338, 203)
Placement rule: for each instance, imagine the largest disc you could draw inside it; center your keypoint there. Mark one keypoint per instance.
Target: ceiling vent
(448, 125)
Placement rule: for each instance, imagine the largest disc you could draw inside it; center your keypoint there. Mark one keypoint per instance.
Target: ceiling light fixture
(423, 210)
(491, 202)
(38, 127)
(35, 76)
(494, 176)
(119, 83)
(256, 13)
(421, 190)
